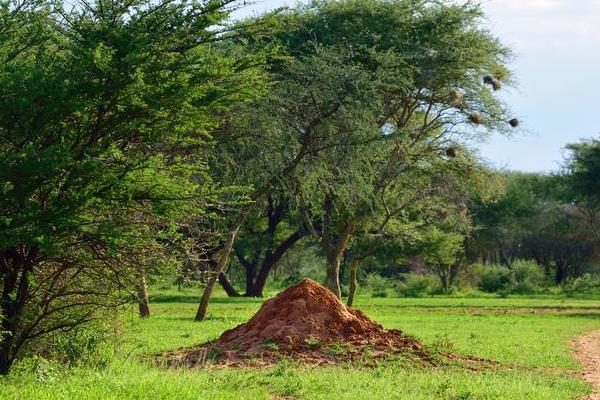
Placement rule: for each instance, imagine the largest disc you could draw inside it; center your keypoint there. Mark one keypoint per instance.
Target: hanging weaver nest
(495, 83)
(514, 122)
(452, 152)
(475, 119)
(456, 97)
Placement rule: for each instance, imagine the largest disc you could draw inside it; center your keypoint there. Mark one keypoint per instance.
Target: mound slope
(306, 322)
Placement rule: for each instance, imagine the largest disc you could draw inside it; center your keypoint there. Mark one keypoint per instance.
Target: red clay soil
(304, 322)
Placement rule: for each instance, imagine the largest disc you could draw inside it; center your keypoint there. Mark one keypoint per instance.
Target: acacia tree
(264, 142)
(98, 106)
(426, 94)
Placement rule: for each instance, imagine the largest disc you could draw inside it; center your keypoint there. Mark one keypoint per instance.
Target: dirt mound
(305, 322)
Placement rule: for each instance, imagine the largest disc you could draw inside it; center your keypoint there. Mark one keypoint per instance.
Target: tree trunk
(561, 274)
(219, 268)
(353, 281)
(270, 261)
(227, 286)
(250, 268)
(142, 293)
(334, 252)
(332, 278)
(15, 289)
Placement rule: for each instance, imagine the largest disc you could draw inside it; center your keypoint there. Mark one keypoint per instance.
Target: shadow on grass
(476, 307)
(195, 299)
(583, 315)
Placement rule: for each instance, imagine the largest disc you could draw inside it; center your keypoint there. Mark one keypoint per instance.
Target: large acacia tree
(104, 114)
(432, 71)
(408, 73)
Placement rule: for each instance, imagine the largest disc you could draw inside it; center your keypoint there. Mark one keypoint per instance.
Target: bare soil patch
(587, 351)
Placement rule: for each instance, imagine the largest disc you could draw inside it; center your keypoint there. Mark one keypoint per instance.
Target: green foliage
(527, 277)
(493, 278)
(378, 285)
(583, 171)
(524, 277)
(106, 110)
(584, 285)
(438, 247)
(418, 286)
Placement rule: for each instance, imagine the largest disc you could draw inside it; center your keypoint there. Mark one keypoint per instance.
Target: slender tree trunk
(353, 281)
(334, 253)
(332, 277)
(227, 286)
(219, 268)
(142, 293)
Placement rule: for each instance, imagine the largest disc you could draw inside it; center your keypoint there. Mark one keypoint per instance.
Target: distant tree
(501, 225)
(442, 252)
(583, 169)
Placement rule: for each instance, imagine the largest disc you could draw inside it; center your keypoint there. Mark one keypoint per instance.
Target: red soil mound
(302, 322)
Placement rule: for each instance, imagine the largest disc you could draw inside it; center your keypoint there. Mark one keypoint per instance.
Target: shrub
(527, 277)
(417, 286)
(586, 284)
(378, 285)
(493, 278)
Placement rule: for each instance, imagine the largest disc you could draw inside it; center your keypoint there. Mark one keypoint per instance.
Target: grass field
(528, 337)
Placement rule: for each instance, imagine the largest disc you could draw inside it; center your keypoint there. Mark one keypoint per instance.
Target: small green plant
(214, 353)
(314, 342)
(270, 345)
(339, 349)
(442, 344)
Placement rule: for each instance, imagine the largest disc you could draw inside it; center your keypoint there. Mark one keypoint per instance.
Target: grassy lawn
(529, 337)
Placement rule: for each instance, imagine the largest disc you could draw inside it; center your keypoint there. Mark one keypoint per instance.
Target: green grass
(529, 337)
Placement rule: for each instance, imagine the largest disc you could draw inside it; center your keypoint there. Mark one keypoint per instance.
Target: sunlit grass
(530, 341)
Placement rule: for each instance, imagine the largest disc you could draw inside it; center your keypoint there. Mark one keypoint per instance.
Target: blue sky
(557, 66)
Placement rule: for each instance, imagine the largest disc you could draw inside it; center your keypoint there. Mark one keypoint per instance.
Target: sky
(557, 67)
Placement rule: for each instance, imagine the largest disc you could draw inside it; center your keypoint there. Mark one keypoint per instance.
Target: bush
(586, 284)
(91, 345)
(493, 278)
(527, 277)
(417, 286)
(378, 285)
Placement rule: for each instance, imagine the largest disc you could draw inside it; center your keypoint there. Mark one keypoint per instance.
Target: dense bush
(493, 278)
(586, 284)
(527, 277)
(418, 286)
(378, 285)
